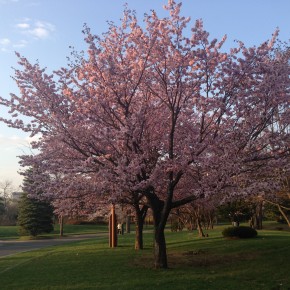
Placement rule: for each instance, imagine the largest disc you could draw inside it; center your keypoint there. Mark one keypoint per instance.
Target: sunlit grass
(209, 263)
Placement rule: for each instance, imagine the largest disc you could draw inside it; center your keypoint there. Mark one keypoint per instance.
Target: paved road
(10, 247)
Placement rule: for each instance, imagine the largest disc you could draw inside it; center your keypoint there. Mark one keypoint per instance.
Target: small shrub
(239, 232)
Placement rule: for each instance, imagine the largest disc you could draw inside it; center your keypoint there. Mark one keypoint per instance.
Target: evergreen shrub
(242, 232)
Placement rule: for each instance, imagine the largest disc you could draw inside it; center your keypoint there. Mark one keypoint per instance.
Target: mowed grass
(11, 232)
(209, 263)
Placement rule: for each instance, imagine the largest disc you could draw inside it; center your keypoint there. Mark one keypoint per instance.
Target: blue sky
(44, 29)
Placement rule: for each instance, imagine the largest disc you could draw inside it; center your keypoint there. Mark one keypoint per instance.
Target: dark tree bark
(257, 218)
(160, 253)
(160, 215)
(259, 214)
(140, 218)
(60, 219)
(199, 228)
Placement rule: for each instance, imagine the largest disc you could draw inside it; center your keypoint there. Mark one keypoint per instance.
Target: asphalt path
(11, 247)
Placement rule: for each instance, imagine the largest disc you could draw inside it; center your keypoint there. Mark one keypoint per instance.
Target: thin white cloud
(30, 30)
(45, 25)
(25, 19)
(37, 29)
(23, 25)
(39, 32)
(5, 41)
(42, 29)
(33, 4)
(22, 43)
(5, 44)
(8, 1)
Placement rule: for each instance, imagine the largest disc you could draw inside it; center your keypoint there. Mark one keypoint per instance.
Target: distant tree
(199, 215)
(278, 205)
(8, 207)
(278, 210)
(9, 217)
(2, 208)
(6, 188)
(35, 216)
(236, 211)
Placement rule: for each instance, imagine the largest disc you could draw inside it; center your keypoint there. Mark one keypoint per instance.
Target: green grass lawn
(209, 263)
(8, 232)
(11, 232)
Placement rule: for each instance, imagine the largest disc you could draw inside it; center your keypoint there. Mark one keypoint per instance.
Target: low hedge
(241, 232)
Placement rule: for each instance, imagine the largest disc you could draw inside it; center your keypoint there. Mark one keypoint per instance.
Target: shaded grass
(11, 232)
(210, 263)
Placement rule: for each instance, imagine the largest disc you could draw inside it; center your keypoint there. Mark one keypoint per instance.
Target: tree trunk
(139, 234)
(128, 224)
(199, 228)
(211, 220)
(284, 215)
(198, 222)
(161, 210)
(259, 216)
(140, 218)
(160, 218)
(160, 255)
(60, 225)
(256, 220)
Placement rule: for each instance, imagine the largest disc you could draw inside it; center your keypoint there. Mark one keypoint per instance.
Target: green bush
(239, 232)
